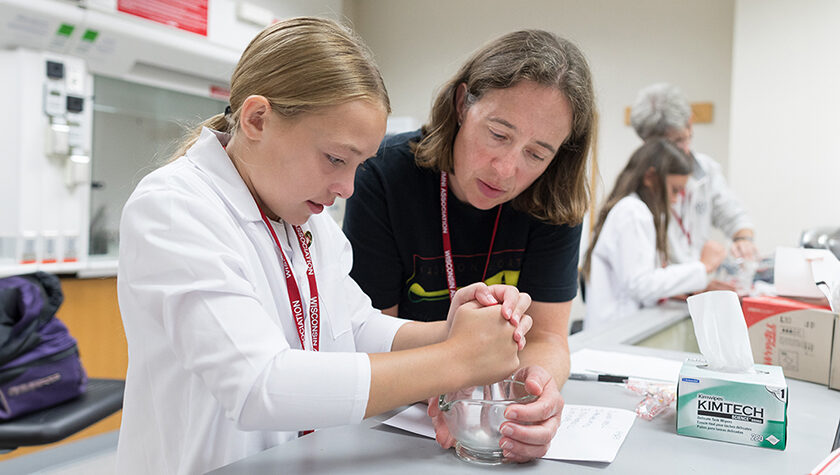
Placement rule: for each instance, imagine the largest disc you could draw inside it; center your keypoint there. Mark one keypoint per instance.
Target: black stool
(101, 398)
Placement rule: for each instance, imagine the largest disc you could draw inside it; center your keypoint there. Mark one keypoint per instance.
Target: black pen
(604, 378)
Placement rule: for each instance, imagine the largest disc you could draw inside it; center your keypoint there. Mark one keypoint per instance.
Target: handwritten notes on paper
(586, 433)
(590, 433)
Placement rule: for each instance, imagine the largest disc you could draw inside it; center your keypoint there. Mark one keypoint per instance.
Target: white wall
(630, 44)
(785, 135)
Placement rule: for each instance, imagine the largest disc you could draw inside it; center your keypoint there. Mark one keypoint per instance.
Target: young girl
(626, 265)
(242, 322)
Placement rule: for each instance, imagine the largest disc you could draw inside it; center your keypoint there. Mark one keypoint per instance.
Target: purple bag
(39, 360)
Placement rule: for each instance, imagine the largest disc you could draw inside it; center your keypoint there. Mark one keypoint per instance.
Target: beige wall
(785, 144)
(420, 43)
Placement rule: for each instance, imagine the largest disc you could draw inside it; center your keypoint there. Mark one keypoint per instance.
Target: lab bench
(651, 447)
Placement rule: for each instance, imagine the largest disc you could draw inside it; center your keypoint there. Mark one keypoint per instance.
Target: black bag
(39, 360)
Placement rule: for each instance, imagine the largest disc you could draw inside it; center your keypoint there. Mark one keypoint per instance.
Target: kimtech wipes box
(793, 334)
(743, 408)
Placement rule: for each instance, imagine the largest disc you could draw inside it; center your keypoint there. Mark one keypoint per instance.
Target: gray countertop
(651, 447)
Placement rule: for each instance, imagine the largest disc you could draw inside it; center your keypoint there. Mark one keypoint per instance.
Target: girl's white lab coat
(626, 273)
(215, 369)
(707, 202)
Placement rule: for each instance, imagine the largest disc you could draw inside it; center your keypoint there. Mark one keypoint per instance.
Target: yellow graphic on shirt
(417, 293)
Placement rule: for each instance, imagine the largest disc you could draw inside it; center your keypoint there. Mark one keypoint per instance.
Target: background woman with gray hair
(661, 111)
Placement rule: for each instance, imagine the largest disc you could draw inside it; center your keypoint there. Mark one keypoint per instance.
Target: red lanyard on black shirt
(447, 243)
(294, 291)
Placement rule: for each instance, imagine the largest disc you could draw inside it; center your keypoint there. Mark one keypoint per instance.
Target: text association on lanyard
(294, 291)
(447, 243)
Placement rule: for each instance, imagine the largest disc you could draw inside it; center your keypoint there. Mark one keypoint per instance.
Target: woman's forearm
(550, 352)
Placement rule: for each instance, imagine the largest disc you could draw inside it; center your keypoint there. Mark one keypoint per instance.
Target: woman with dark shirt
(492, 189)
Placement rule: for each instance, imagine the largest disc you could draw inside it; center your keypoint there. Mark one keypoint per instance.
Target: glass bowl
(474, 416)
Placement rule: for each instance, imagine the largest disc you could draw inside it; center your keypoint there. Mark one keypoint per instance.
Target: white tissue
(721, 331)
(832, 293)
(826, 272)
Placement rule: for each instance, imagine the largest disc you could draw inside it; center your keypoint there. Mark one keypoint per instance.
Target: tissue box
(793, 334)
(749, 409)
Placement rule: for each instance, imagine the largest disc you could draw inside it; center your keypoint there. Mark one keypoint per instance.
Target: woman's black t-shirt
(393, 222)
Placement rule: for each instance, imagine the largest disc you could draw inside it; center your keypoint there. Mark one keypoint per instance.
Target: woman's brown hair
(299, 65)
(665, 159)
(561, 194)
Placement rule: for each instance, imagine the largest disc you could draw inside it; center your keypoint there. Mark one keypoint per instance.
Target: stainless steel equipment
(822, 238)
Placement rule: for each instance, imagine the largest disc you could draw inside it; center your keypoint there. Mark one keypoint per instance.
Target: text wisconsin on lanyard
(447, 243)
(295, 299)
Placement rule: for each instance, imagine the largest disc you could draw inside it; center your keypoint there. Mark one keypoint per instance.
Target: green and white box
(749, 409)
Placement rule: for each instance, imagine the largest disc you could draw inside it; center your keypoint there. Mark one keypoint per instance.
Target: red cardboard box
(795, 335)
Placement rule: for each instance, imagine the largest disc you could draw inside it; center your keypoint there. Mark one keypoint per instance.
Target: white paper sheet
(590, 433)
(625, 364)
(586, 433)
(415, 420)
(794, 271)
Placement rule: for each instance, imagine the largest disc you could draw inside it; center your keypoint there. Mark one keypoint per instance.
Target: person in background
(243, 325)
(661, 111)
(492, 189)
(627, 265)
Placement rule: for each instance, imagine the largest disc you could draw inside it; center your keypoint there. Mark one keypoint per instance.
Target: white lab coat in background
(215, 369)
(626, 273)
(707, 202)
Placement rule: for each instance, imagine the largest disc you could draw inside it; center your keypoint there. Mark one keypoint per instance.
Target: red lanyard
(682, 228)
(447, 243)
(294, 291)
(679, 220)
